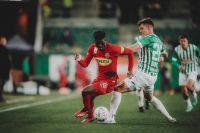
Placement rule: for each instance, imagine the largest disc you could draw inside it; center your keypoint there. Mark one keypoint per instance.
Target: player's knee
(84, 93)
(189, 86)
(185, 97)
(147, 96)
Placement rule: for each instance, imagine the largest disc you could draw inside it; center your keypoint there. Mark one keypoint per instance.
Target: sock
(114, 102)
(91, 110)
(160, 107)
(194, 94)
(197, 86)
(188, 102)
(86, 102)
(140, 99)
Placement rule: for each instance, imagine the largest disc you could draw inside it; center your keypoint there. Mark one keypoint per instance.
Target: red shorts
(104, 86)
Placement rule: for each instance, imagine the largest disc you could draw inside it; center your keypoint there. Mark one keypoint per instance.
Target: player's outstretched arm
(84, 62)
(134, 47)
(129, 52)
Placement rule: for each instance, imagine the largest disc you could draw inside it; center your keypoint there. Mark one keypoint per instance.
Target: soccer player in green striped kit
(150, 49)
(186, 58)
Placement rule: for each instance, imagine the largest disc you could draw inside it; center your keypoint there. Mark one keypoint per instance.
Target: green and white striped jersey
(149, 54)
(188, 58)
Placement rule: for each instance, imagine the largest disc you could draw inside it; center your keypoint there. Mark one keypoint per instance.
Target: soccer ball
(101, 113)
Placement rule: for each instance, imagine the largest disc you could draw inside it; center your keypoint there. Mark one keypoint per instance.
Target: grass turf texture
(57, 117)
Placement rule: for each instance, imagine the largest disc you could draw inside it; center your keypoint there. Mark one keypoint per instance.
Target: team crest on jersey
(95, 50)
(107, 55)
(103, 61)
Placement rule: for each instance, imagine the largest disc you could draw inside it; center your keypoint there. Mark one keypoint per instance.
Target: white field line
(40, 103)
(20, 100)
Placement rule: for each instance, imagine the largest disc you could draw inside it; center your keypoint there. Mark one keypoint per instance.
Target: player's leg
(197, 85)
(116, 100)
(190, 87)
(116, 97)
(93, 96)
(184, 90)
(186, 98)
(1, 89)
(140, 100)
(124, 86)
(86, 97)
(89, 94)
(157, 104)
(91, 108)
(197, 82)
(114, 103)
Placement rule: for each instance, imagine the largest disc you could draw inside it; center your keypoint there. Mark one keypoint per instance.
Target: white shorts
(141, 80)
(183, 78)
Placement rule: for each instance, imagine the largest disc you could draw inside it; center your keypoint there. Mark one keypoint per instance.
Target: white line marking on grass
(40, 103)
(20, 100)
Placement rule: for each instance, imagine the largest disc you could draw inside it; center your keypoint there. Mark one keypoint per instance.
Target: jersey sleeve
(125, 51)
(197, 49)
(143, 40)
(84, 62)
(117, 49)
(129, 52)
(163, 49)
(134, 41)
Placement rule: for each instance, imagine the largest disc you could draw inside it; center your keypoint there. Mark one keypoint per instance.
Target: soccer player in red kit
(106, 55)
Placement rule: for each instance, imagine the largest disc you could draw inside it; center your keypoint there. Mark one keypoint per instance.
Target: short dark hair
(145, 21)
(183, 36)
(98, 35)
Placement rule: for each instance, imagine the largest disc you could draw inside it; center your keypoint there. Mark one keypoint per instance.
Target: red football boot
(80, 114)
(87, 120)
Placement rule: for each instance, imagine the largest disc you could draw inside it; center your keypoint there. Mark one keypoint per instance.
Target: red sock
(86, 102)
(91, 111)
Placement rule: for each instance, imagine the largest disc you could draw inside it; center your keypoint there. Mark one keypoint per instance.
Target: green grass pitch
(54, 114)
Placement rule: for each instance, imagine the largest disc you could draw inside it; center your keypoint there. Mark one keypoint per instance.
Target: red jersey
(107, 59)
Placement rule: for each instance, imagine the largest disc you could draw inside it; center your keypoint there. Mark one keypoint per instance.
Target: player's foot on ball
(172, 120)
(88, 119)
(108, 121)
(80, 114)
(141, 109)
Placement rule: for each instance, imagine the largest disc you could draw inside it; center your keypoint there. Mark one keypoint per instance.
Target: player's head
(145, 26)
(3, 40)
(183, 41)
(99, 39)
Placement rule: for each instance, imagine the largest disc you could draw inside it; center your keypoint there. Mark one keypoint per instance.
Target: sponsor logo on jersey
(103, 61)
(186, 61)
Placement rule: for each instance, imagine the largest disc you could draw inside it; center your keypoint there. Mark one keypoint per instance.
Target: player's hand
(129, 74)
(77, 57)
(181, 68)
(162, 59)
